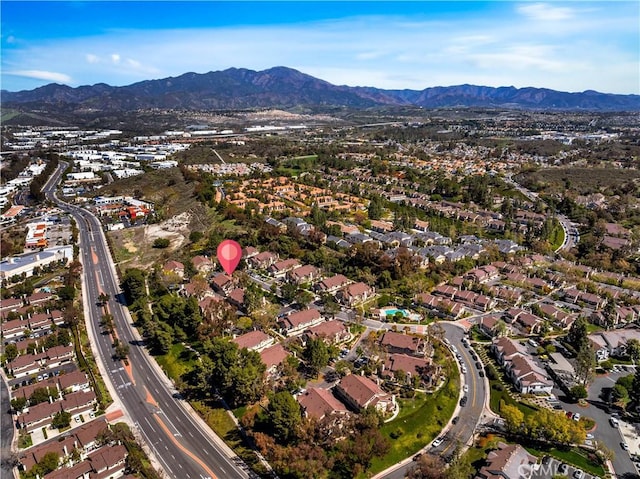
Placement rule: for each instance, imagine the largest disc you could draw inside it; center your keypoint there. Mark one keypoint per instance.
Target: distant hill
(282, 87)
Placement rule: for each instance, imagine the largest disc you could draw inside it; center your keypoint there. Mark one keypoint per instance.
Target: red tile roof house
(249, 252)
(10, 304)
(27, 391)
(26, 365)
(236, 298)
(304, 274)
(40, 322)
(299, 321)
(527, 376)
(320, 403)
(504, 349)
(359, 392)
(73, 381)
(281, 268)
(412, 366)
(263, 260)
(356, 293)
(223, 283)
(58, 355)
(508, 462)
(403, 343)
(39, 298)
(333, 284)
(175, 267)
(14, 329)
(272, 357)
(39, 415)
(332, 331)
(202, 264)
(488, 324)
(254, 341)
(63, 447)
(106, 462)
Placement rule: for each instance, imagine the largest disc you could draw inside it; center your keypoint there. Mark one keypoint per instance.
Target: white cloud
(11, 39)
(91, 58)
(43, 75)
(545, 12)
(115, 58)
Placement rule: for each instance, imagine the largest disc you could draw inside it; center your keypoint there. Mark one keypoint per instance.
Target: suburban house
(298, 321)
(272, 357)
(332, 284)
(612, 343)
(175, 267)
(202, 264)
(403, 343)
(490, 325)
(356, 293)
(281, 268)
(510, 461)
(331, 331)
(527, 376)
(320, 403)
(304, 274)
(223, 284)
(262, 260)
(254, 341)
(360, 392)
(411, 366)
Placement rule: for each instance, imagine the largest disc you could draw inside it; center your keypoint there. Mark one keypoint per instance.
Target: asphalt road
(604, 432)
(184, 448)
(7, 430)
(469, 415)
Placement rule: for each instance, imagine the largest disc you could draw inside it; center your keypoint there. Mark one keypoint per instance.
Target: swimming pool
(393, 311)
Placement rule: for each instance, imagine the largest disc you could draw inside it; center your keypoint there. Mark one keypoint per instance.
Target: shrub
(161, 243)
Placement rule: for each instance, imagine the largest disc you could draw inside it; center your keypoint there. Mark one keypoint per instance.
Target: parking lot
(550, 467)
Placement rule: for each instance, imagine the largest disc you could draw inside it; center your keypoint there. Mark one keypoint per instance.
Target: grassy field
(176, 362)
(583, 180)
(420, 420)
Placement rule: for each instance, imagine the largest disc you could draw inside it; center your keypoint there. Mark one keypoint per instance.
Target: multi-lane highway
(178, 440)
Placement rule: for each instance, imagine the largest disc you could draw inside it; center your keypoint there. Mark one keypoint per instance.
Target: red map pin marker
(229, 254)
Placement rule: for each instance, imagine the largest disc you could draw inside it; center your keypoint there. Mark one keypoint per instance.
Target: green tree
(578, 332)
(284, 417)
(10, 352)
(48, 463)
(61, 420)
(161, 243)
(578, 392)
(41, 395)
(18, 403)
(585, 363)
(633, 350)
(634, 392)
(316, 354)
(513, 418)
(133, 285)
(619, 393)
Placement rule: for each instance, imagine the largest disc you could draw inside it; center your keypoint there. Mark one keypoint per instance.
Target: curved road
(178, 439)
(469, 416)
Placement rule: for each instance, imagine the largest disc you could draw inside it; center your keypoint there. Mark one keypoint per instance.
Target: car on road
(576, 416)
(481, 373)
(464, 369)
(589, 436)
(614, 422)
(455, 420)
(563, 469)
(437, 442)
(465, 388)
(463, 401)
(417, 456)
(478, 365)
(624, 446)
(578, 474)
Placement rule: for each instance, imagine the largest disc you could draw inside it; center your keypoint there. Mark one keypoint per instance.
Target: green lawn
(498, 396)
(175, 363)
(420, 420)
(575, 456)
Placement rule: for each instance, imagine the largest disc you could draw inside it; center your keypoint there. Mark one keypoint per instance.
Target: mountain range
(282, 87)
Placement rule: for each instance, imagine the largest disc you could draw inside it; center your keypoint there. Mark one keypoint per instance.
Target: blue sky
(568, 46)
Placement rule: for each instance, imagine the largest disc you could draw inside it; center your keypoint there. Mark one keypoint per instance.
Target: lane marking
(183, 449)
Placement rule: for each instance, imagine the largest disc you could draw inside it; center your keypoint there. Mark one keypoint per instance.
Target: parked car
(576, 416)
(481, 373)
(437, 442)
(624, 446)
(463, 401)
(578, 474)
(465, 388)
(614, 422)
(563, 468)
(455, 420)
